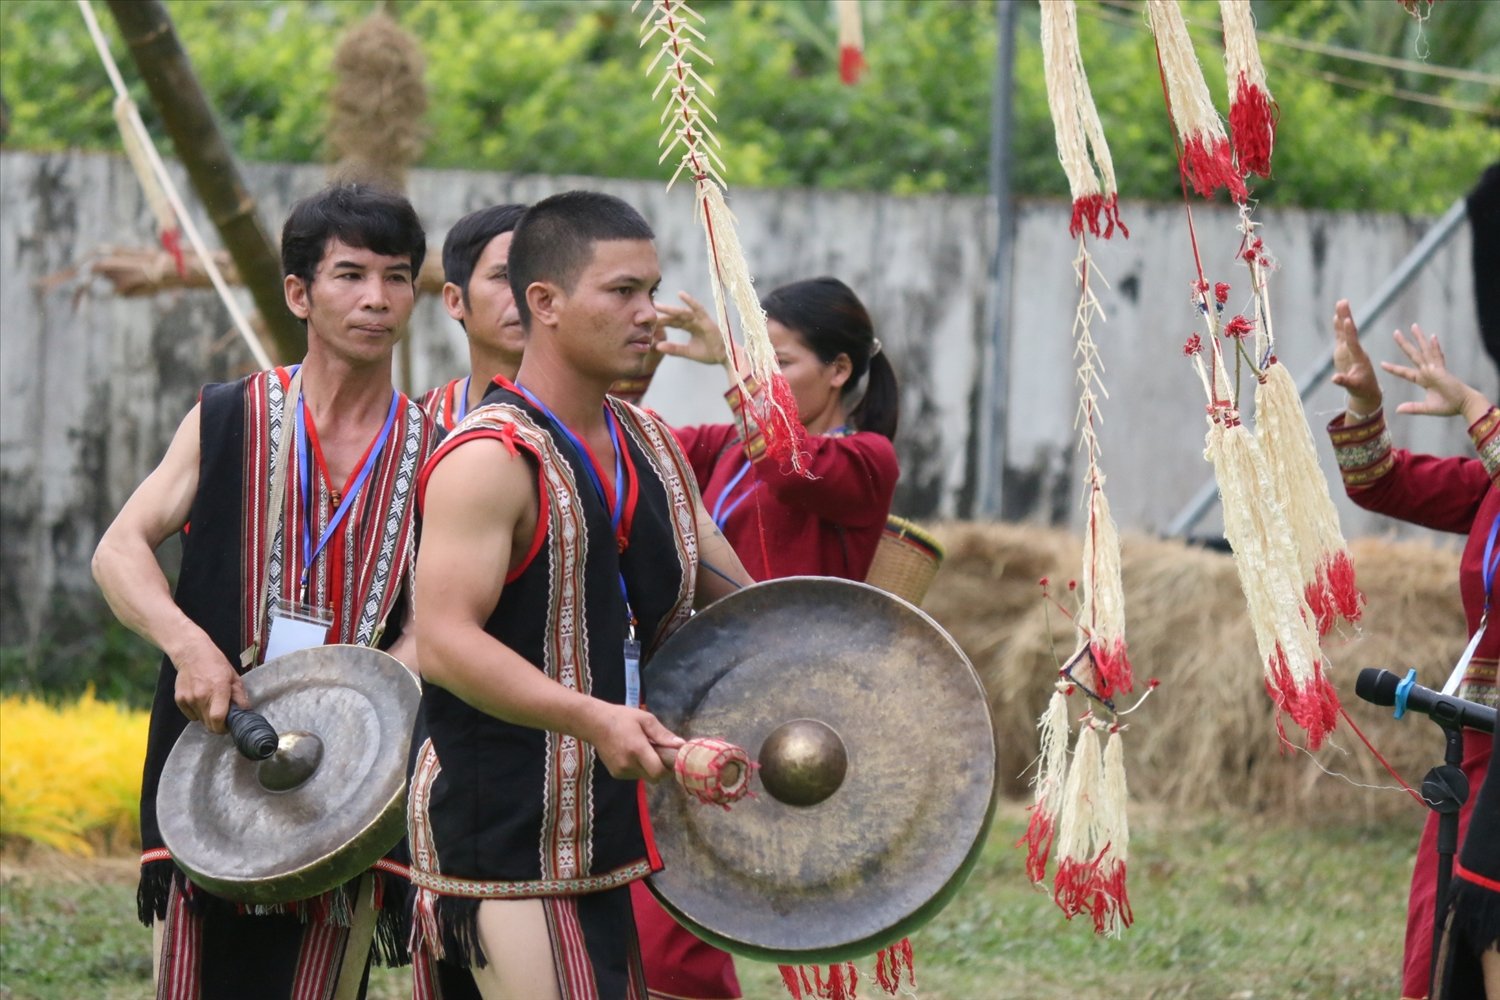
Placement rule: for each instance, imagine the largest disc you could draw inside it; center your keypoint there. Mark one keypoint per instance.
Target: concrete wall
(92, 386)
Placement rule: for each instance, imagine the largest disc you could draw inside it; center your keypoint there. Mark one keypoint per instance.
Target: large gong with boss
(876, 779)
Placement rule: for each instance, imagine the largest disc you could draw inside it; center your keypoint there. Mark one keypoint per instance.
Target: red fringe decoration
(1112, 664)
(1332, 593)
(1337, 573)
(1086, 887)
(891, 962)
(851, 64)
(1040, 830)
(1252, 126)
(1210, 169)
(838, 983)
(786, 438)
(1112, 901)
(1315, 708)
(1090, 209)
(1073, 885)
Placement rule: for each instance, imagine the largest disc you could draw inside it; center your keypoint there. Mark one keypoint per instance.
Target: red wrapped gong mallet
(710, 770)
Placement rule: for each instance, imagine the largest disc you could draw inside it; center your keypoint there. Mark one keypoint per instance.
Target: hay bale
(1207, 739)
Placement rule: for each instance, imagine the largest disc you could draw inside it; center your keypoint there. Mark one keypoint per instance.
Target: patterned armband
(745, 419)
(1485, 434)
(1363, 449)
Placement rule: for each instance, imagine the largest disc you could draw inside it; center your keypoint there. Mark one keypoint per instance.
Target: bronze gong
(324, 806)
(876, 761)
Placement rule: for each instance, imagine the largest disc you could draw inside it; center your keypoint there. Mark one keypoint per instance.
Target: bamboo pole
(210, 163)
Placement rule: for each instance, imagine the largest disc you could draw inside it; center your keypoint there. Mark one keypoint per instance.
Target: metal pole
(210, 163)
(993, 415)
(1364, 316)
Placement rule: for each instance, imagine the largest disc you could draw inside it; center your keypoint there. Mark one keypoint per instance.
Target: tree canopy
(560, 88)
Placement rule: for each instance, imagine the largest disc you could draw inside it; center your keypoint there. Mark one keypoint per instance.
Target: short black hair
(370, 218)
(469, 236)
(555, 239)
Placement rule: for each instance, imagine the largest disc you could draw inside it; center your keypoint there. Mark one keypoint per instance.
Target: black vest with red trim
(503, 810)
(359, 579)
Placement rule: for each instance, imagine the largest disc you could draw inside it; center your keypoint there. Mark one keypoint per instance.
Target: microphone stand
(1445, 789)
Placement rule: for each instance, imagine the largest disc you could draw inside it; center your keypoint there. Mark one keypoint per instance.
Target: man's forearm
(137, 592)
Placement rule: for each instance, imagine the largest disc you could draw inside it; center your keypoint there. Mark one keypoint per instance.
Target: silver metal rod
(991, 425)
(1365, 314)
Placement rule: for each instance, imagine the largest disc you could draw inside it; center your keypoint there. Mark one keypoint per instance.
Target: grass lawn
(1230, 909)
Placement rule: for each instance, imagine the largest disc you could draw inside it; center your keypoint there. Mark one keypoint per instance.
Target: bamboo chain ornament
(772, 411)
(1082, 804)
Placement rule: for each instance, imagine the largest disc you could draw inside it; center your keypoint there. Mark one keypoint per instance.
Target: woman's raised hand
(1354, 372)
(705, 344)
(1447, 394)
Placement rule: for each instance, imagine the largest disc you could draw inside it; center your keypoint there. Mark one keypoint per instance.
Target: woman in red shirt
(782, 522)
(1455, 494)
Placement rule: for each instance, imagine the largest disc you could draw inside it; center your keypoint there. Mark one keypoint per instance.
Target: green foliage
(560, 88)
(81, 652)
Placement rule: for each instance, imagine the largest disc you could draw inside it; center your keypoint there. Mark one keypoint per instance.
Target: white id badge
(632, 673)
(296, 626)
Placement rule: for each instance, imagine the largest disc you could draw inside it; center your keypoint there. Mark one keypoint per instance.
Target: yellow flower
(70, 776)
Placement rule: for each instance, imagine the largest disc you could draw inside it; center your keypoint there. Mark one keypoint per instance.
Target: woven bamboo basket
(906, 560)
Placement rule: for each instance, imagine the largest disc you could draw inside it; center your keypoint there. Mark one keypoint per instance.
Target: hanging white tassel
(1206, 160)
(1265, 560)
(1103, 607)
(775, 410)
(851, 42)
(1075, 120)
(1047, 784)
(1112, 912)
(1325, 570)
(1252, 112)
(1078, 826)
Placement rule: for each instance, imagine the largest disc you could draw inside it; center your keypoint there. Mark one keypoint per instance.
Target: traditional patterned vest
(506, 811)
(444, 406)
(225, 570)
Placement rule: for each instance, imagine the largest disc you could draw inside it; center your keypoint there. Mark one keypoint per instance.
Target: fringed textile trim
(834, 982)
(336, 907)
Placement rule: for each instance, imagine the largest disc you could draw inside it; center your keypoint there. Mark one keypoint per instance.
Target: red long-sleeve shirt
(1446, 494)
(782, 523)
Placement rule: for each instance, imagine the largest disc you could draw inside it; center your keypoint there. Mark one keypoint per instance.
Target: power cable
(1396, 93)
(1342, 52)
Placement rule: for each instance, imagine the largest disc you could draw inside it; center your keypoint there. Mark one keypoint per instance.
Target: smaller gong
(314, 798)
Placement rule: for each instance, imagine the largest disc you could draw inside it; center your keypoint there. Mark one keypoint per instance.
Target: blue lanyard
(304, 465)
(720, 514)
(618, 511)
(460, 407)
(582, 452)
(1490, 565)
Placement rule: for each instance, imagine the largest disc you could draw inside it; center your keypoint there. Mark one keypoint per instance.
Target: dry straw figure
(379, 96)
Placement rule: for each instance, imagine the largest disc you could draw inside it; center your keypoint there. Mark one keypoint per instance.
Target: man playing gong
(562, 540)
(293, 490)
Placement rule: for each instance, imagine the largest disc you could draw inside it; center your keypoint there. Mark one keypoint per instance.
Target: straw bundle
(375, 129)
(1210, 742)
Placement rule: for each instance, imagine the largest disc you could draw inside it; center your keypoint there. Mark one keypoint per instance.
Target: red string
(1383, 762)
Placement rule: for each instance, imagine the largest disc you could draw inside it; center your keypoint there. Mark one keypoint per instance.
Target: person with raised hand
(1456, 494)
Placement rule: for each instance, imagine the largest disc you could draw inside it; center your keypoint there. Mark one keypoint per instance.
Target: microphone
(1381, 687)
